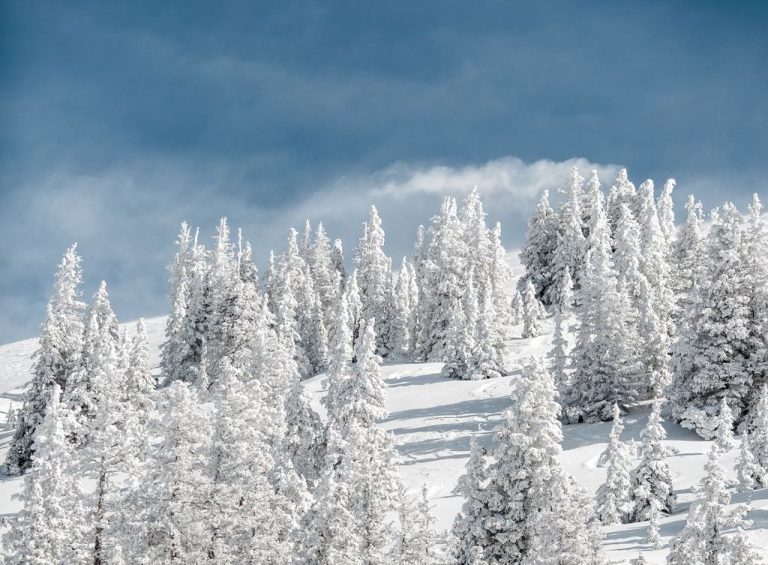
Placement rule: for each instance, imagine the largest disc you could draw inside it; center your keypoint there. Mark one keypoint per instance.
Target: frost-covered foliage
(521, 506)
(613, 502)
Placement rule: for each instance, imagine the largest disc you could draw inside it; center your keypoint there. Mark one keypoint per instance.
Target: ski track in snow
(433, 419)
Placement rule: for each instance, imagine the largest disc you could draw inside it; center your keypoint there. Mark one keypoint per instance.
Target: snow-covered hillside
(433, 419)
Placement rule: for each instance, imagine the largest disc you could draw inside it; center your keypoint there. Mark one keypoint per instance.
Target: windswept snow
(433, 419)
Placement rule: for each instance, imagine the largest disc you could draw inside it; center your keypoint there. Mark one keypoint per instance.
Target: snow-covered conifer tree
(749, 473)
(711, 358)
(373, 276)
(169, 513)
(652, 480)
(487, 359)
(533, 312)
(459, 343)
(724, 435)
(337, 259)
(322, 269)
(558, 355)
(526, 483)
(501, 281)
(666, 210)
(603, 357)
(704, 538)
(56, 359)
(537, 254)
(758, 434)
(49, 529)
(517, 309)
(402, 313)
(614, 497)
(687, 260)
(468, 528)
(571, 245)
(621, 192)
(139, 382)
(652, 538)
(417, 543)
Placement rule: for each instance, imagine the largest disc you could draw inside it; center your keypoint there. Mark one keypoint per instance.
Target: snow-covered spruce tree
(537, 254)
(711, 357)
(756, 242)
(533, 312)
(459, 342)
(337, 259)
(48, 529)
(354, 306)
(311, 325)
(627, 255)
(243, 525)
(749, 473)
(571, 246)
(373, 276)
(359, 479)
(621, 192)
(286, 323)
(758, 436)
(501, 282)
(168, 520)
(704, 538)
(652, 538)
(184, 328)
(527, 489)
(323, 272)
(613, 503)
(443, 282)
(418, 540)
(517, 309)
(487, 358)
(652, 480)
(590, 196)
(478, 242)
(666, 210)
(469, 526)
(340, 360)
(603, 357)
(306, 241)
(98, 375)
(139, 382)
(57, 357)
(402, 313)
(687, 262)
(654, 258)
(653, 346)
(724, 435)
(558, 355)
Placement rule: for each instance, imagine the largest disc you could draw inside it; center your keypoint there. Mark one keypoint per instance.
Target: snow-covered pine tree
(533, 312)
(613, 501)
(306, 241)
(517, 309)
(571, 245)
(417, 543)
(758, 435)
(337, 259)
(621, 192)
(558, 355)
(401, 309)
(724, 436)
(501, 282)
(359, 478)
(459, 341)
(537, 254)
(468, 528)
(184, 329)
(354, 306)
(711, 357)
(57, 357)
(487, 358)
(322, 269)
(666, 210)
(652, 480)
(373, 276)
(48, 529)
(687, 261)
(589, 196)
(603, 356)
(655, 254)
(168, 521)
(139, 382)
(652, 538)
(242, 526)
(340, 360)
(311, 326)
(476, 236)
(443, 282)
(526, 483)
(704, 538)
(756, 242)
(749, 473)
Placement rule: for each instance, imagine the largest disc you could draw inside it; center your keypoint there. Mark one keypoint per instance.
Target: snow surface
(433, 419)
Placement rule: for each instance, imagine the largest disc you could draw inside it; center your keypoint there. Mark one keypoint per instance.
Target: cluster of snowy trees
(657, 310)
(226, 461)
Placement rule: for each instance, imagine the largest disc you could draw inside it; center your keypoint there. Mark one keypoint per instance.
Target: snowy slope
(433, 420)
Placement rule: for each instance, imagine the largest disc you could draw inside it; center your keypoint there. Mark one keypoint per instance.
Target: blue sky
(120, 119)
